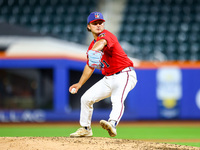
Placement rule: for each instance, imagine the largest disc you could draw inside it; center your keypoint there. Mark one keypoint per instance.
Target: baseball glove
(95, 59)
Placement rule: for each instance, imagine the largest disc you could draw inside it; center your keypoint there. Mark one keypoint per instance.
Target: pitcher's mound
(93, 143)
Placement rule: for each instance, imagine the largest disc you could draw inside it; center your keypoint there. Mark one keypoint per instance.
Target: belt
(125, 70)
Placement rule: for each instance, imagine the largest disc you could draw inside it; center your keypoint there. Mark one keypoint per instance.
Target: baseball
(73, 91)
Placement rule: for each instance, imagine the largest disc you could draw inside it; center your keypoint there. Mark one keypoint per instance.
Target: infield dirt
(93, 143)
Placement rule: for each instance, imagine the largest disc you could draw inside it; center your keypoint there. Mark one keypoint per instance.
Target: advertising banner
(162, 92)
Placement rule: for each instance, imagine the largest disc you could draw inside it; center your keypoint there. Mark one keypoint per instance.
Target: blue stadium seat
(49, 17)
(169, 26)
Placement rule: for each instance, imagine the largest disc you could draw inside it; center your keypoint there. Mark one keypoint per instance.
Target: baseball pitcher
(106, 54)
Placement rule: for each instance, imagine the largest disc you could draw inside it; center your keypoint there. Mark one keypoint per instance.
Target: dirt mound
(94, 143)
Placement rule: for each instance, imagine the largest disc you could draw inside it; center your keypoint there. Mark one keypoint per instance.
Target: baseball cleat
(109, 127)
(82, 132)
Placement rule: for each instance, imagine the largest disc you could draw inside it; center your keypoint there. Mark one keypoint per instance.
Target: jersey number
(104, 63)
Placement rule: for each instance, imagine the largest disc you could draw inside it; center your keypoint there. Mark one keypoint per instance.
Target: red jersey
(114, 57)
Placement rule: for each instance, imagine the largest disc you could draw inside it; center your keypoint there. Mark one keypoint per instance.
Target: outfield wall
(169, 90)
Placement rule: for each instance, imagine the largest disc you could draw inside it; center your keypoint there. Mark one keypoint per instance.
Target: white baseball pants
(115, 86)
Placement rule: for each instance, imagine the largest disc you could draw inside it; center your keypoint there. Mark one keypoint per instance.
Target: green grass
(124, 132)
(160, 132)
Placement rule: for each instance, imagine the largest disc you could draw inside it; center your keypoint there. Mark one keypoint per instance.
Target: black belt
(125, 70)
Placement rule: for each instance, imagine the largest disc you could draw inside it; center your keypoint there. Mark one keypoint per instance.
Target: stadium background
(43, 45)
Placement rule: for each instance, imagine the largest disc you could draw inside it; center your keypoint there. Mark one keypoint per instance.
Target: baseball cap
(94, 16)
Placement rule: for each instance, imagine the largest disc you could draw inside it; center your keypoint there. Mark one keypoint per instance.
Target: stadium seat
(60, 18)
(171, 27)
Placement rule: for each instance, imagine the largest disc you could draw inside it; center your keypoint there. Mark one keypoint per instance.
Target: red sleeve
(108, 38)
